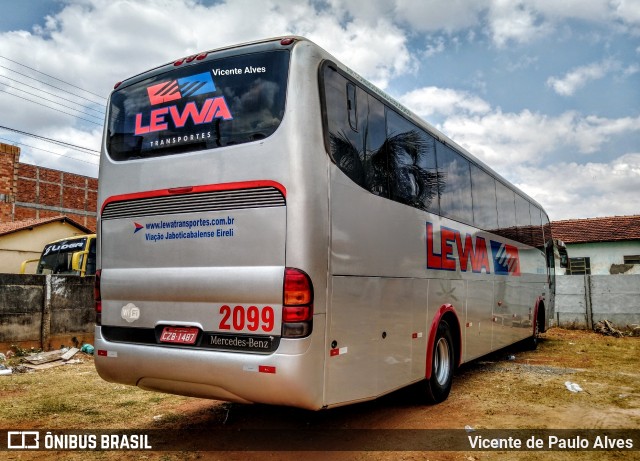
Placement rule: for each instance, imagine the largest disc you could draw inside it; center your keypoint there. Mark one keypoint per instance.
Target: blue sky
(545, 92)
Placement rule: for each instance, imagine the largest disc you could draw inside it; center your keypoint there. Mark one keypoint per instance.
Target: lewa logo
(466, 252)
(506, 260)
(181, 88)
(174, 90)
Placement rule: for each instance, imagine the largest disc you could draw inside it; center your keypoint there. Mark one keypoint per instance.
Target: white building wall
(604, 254)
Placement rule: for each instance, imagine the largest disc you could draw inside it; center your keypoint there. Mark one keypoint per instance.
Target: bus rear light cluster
(97, 297)
(297, 304)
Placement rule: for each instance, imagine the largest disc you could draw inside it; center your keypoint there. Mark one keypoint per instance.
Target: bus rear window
(213, 104)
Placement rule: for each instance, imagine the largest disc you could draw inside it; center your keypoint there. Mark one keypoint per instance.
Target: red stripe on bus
(194, 190)
(432, 334)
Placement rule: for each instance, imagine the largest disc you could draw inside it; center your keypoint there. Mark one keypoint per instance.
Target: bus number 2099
(251, 318)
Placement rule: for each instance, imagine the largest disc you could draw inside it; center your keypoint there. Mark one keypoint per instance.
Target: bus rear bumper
(278, 379)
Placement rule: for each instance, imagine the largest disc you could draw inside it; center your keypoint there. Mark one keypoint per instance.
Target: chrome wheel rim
(442, 362)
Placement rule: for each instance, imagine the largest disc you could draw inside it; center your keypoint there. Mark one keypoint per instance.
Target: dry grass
(74, 397)
(527, 392)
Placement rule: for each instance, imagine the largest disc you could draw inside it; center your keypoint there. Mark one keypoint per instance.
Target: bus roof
(277, 42)
(73, 237)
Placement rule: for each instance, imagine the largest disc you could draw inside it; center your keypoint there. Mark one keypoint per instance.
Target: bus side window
(536, 225)
(375, 157)
(483, 192)
(411, 154)
(455, 184)
(345, 143)
(523, 220)
(352, 106)
(506, 211)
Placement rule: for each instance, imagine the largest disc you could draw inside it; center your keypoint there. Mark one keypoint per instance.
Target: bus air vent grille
(260, 197)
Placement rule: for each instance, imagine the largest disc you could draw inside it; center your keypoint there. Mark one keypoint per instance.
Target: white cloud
(515, 21)
(631, 70)
(505, 140)
(421, 16)
(135, 36)
(544, 155)
(436, 46)
(592, 10)
(378, 52)
(628, 11)
(508, 139)
(432, 100)
(581, 76)
(575, 190)
(433, 15)
(96, 43)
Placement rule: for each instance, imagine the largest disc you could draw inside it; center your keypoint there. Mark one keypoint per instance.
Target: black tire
(438, 386)
(532, 342)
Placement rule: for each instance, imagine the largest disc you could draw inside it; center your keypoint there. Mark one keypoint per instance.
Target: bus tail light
(297, 304)
(97, 296)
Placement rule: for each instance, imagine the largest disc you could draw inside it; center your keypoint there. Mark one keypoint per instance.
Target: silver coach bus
(275, 229)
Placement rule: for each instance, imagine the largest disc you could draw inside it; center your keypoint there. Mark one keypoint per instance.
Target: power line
(52, 86)
(52, 108)
(51, 152)
(55, 78)
(49, 93)
(54, 102)
(85, 150)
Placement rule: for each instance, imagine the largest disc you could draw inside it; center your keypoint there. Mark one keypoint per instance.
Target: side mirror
(76, 261)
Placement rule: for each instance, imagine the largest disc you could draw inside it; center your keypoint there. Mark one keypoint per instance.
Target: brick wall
(8, 160)
(28, 191)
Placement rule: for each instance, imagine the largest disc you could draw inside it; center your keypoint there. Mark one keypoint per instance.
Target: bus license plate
(179, 335)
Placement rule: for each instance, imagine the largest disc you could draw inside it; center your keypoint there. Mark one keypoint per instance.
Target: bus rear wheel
(533, 341)
(438, 386)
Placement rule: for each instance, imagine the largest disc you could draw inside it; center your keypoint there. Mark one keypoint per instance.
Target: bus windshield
(57, 257)
(215, 103)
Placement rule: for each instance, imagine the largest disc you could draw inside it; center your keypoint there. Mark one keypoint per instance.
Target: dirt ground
(511, 389)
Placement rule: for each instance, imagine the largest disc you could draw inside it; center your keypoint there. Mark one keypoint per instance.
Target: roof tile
(609, 229)
(9, 227)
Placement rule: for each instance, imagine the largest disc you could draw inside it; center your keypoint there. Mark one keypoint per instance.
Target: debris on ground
(573, 387)
(17, 351)
(45, 357)
(604, 327)
(87, 349)
(22, 369)
(51, 359)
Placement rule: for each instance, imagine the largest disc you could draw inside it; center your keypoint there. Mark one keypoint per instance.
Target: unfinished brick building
(28, 191)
